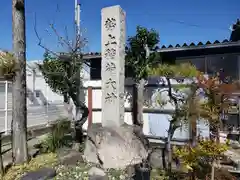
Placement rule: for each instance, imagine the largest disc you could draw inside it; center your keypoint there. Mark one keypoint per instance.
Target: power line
(189, 14)
(182, 22)
(196, 25)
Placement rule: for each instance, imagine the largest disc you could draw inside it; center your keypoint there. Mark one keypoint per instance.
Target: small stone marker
(113, 63)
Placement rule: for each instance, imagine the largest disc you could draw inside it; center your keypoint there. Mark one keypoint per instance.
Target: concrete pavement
(37, 115)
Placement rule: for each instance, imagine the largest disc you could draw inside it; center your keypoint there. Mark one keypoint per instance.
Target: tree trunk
(212, 171)
(164, 156)
(171, 131)
(137, 114)
(19, 112)
(135, 105)
(81, 114)
(140, 101)
(68, 106)
(78, 115)
(169, 153)
(193, 131)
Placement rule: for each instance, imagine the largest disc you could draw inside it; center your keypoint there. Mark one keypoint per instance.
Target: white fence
(155, 124)
(39, 111)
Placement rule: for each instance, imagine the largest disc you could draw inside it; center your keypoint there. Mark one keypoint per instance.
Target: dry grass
(44, 160)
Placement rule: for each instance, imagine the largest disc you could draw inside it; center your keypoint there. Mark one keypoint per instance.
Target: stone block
(41, 174)
(114, 147)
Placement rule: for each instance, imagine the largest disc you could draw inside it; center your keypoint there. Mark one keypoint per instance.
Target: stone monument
(113, 63)
(112, 143)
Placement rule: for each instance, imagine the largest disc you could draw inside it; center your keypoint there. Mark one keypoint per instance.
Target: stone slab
(41, 174)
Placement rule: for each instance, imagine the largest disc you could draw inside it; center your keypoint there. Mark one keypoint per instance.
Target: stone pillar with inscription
(113, 144)
(113, 62)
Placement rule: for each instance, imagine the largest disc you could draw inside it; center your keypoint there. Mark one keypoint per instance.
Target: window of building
(95, 70)
(37, 93)
(228, 63)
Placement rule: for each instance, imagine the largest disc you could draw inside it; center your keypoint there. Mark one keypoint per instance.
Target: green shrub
(198, 159)
(205, 152)
(57, 138)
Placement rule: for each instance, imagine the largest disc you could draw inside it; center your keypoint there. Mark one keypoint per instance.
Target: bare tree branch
(61, 39)
(69, 70)
(75, 50)
(40, 39)
(66, 35)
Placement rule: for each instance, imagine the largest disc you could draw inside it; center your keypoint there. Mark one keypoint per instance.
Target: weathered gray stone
(33, 152)
(116, 147)
(69, 156)
(41, 174)
(232, 155)
(97, 174)
(234, 144)
(113, 63)
(156, 158)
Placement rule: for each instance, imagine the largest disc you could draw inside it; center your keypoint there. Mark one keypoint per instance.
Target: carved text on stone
(110, 97)
(110, 66)
(111, 83)
(110, 24)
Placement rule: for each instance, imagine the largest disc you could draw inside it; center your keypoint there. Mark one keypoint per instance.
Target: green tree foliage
(175, 72)
(179, 73)
(137, 59)
(199, 158)
(140, 55)
(205, 152)
(7, 65)
(184, 70)
(216, 95)
(62, 74)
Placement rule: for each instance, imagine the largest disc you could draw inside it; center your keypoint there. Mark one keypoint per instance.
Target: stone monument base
(116, 147)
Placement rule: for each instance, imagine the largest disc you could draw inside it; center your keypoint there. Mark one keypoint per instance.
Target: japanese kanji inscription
(113, 63)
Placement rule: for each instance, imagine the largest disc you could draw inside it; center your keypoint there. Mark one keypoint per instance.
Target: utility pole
(77, 17)
(78, 134)
(78, 39)
(19, 90)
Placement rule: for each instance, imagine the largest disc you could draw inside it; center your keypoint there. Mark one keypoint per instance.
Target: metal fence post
(6, 108)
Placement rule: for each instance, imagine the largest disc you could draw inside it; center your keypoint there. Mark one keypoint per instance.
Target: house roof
(235, 35)
(200, 45)
(184, 47)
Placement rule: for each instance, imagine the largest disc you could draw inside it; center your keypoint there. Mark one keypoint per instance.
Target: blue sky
(177, 21)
